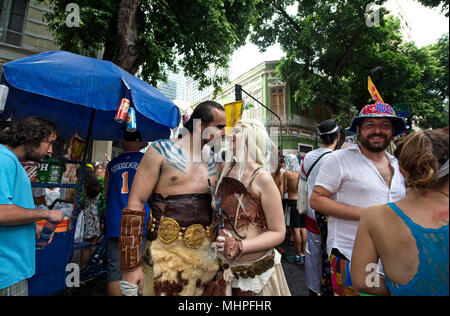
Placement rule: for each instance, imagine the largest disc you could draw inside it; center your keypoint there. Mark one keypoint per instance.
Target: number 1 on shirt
(125, 183)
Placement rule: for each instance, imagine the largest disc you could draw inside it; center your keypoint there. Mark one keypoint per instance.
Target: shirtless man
(297, 223)
(177, 178)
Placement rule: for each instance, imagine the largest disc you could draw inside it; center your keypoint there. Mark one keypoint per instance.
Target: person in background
(354, 178)
(278, 176)
(296, 221)
(100, 171)
(317, 266)
(119, 177)
(89, 206)
(31, 139)
(410, 236)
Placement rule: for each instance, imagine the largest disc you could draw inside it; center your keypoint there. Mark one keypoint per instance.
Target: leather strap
(130, 240)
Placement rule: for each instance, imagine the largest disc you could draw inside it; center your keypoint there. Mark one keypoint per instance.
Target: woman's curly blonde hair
(420, 157)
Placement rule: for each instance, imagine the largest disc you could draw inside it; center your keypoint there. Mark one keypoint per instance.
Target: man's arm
(133, 217)
(105, 183)
(14, 215)
(284, 185)
(320, 201)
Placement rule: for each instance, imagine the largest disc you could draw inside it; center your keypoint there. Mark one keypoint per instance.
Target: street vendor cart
(81, 96)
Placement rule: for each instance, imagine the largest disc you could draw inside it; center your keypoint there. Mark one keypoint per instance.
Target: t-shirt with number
(121, 171)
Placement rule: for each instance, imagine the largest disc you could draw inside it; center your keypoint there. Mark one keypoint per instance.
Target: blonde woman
(410, 236)
(248, 208)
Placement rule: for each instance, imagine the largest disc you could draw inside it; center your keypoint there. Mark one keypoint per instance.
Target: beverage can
(47, 231)
(122, 111)
(55, 173)
(131, 120)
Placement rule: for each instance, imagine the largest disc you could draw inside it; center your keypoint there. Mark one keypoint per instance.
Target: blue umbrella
(72, 91)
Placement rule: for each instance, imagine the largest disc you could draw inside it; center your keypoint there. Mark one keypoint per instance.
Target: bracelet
(130, 240)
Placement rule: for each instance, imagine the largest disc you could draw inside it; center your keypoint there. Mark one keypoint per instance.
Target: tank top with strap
(432, 276)
(252, 212)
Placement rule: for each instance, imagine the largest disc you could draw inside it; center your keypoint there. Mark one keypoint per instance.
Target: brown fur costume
(179, 270)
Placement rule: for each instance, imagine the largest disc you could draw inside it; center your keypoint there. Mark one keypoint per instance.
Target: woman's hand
(230, 247)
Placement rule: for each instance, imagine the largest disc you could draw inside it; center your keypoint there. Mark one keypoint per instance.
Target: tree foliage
(330, 52)
(157, 35)
(436, 3)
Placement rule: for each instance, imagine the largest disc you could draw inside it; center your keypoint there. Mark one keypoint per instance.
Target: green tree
(436, 3)
(331, 46)
(430, 106)
(157, 35)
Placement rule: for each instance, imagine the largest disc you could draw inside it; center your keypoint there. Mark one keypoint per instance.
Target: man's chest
(386, 172)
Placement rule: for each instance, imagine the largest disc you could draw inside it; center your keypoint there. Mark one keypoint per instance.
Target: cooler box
(51, 262)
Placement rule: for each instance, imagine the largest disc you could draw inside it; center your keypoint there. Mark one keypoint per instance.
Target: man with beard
(32, 139)
(177, 178)
(359, 176)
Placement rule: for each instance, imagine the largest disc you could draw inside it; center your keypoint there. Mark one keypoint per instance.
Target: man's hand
(134, 277)
(55, 216)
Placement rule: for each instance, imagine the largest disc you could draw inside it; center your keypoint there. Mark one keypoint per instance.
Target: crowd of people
(375, 223)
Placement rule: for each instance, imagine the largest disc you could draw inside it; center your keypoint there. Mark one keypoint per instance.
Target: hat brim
(399, 123)
(335, 131)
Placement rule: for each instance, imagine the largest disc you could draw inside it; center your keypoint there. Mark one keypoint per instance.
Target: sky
(427, 26)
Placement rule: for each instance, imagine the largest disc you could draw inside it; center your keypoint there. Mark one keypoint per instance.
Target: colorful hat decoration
(380, 110)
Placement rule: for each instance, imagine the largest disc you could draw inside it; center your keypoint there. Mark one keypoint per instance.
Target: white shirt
(354, 180)
(307, 163)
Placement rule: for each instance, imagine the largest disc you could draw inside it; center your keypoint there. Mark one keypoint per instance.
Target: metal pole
(239, 87)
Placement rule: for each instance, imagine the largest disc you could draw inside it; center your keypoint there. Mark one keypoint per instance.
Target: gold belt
(193, 236)
(257, 268)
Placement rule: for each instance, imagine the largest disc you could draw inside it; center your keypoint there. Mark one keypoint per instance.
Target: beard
(31, 154)
(365, 141)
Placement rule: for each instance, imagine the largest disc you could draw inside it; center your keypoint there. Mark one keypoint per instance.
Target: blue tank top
(432, 276)
(121, 172)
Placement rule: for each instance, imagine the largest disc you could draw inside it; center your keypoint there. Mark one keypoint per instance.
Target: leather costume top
(228, 192)
(186, 209)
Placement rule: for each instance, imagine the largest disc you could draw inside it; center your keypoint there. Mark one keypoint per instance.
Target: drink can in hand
(47, 231)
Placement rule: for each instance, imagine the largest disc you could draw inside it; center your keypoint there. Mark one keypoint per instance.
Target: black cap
(132, 136)
(328, 127)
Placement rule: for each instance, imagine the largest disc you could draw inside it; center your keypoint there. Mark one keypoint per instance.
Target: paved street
(295, 273)
(295, 276)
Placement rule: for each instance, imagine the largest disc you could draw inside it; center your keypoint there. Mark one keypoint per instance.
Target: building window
(118, 147)
(12, 21)
(304, 149)
(277, 100)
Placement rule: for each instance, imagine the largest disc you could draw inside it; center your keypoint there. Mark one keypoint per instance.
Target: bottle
(47, 230)
(3, 96)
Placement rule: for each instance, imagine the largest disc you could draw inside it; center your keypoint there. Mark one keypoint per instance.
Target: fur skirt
(182, 271)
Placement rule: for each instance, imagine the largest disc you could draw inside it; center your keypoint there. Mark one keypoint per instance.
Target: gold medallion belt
(184, 217)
